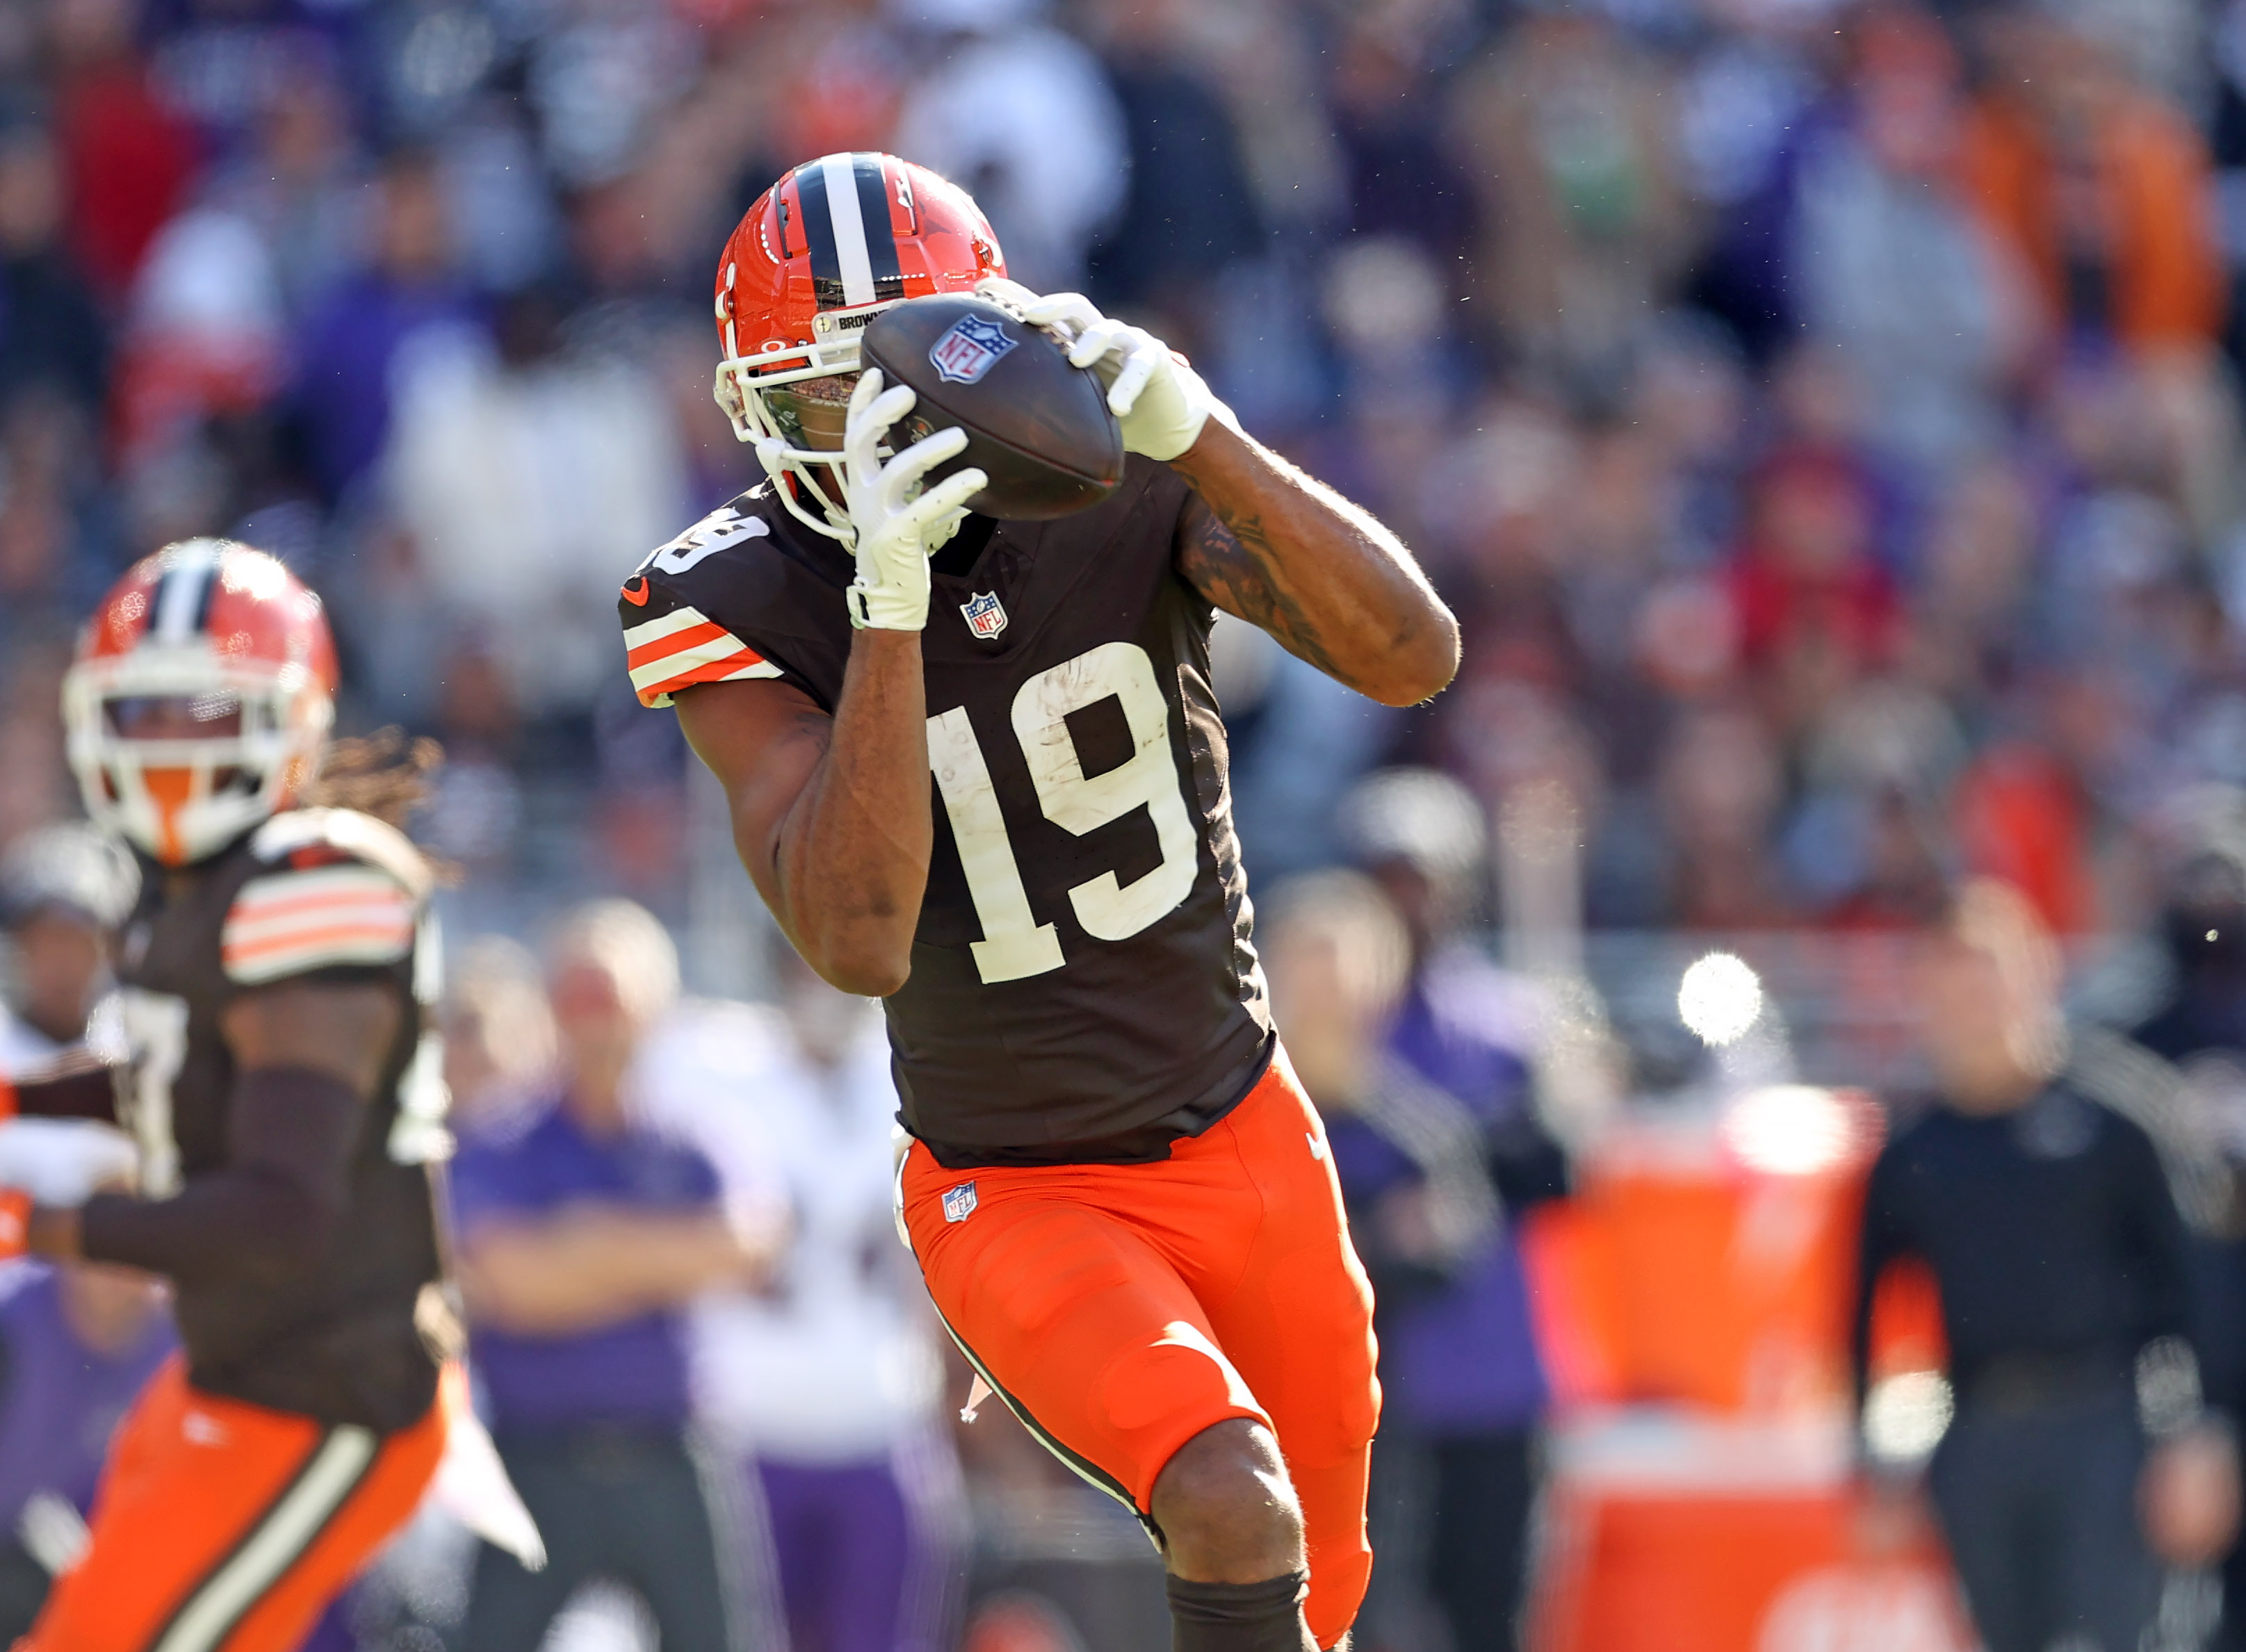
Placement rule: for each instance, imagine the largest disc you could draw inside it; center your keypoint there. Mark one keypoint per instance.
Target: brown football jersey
(316, 894)
(1084, 984)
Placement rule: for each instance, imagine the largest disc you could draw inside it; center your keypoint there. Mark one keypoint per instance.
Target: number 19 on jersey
(1015, 944)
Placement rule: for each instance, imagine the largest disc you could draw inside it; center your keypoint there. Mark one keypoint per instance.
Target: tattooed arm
(1277, 548)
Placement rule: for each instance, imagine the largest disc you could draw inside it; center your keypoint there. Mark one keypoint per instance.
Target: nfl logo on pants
(985, 616)
(959, 1202)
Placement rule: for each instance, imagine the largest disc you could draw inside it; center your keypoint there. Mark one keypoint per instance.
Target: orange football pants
(1120, 1309)
(221, 1526)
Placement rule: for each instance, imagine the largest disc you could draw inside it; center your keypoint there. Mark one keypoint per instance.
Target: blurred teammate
(2060, 1256)
(282, 1101)
(975, 767)
(583, 1235)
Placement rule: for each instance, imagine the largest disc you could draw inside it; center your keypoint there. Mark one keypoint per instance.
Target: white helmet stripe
(851, 253)
(182, 596)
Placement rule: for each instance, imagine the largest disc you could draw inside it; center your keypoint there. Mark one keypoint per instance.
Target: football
(1038, 428)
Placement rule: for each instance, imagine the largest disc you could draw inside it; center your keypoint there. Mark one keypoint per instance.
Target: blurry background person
(1459, 1359)
(582, 1236)
(1422, 1213)
(826, 1387)
(2055, 1243)
(64, 891)
(76, 1342)
(2200, 1029)
(499, 1039)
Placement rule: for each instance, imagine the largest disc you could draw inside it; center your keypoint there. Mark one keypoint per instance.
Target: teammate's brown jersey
(1084, 984)
(319, 895)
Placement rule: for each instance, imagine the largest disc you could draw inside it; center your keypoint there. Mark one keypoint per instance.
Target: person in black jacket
(2199, 1029)
(2050, 1229)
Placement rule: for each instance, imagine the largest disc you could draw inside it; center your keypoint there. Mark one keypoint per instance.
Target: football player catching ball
(976, 768)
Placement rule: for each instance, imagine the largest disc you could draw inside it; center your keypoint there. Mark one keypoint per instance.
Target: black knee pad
(1240, 1617)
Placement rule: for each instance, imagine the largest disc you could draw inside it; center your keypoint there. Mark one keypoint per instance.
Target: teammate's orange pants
(1120, 1309)
(221, 1526)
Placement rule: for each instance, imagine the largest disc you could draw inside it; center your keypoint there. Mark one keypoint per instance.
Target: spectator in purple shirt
(348, 352)
(583, 1238)
(1459, 1359)
(76, 1344)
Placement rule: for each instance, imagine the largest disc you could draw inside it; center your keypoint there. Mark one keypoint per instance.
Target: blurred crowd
(1824, 416)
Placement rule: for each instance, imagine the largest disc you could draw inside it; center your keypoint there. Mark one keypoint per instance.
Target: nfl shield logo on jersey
(968, 348)
(985, 616)
(959, 1202)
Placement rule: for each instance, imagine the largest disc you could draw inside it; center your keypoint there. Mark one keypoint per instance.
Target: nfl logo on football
(959, 1202)
(968, 348)
(984, 617)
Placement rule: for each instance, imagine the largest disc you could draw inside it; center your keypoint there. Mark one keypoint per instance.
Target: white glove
(895, 524)
(1162, 403)
(63, 1161)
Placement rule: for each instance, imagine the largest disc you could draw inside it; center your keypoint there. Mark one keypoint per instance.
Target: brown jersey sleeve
(694, 611)
(271, 1212)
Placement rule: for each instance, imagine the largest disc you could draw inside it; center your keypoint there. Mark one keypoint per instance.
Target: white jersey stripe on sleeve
(321, 949)
(724, 672)
(289, 922)
(654, 630)
(686, 660)
(248, 934)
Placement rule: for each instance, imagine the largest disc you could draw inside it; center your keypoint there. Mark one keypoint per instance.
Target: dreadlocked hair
(384, 774)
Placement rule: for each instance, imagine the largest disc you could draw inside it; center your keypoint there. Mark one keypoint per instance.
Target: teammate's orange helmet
(203, 687)
(821, 253)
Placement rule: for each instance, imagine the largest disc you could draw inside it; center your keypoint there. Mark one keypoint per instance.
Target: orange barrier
(1671, 1569)
(1693, 1300)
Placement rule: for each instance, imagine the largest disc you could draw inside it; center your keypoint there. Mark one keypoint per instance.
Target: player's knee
(1227, 1510)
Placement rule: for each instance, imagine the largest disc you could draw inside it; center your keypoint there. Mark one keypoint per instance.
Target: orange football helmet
(822, 252)
(203, 688)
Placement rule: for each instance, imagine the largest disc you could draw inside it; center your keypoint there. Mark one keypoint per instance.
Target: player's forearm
(1326, 579)
(855, 848)
(250, 1222)
(78, 1089)
(272, 1212)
